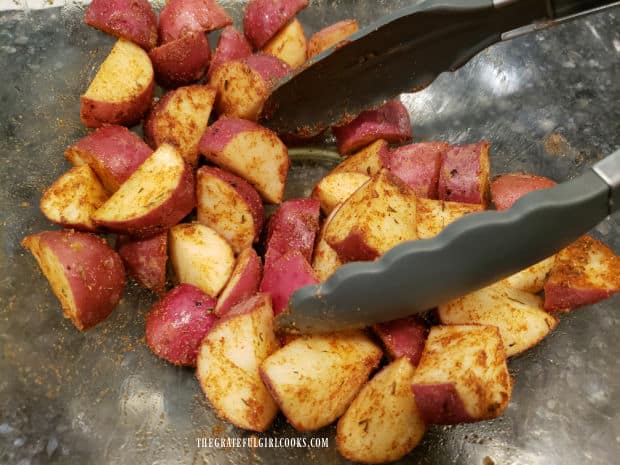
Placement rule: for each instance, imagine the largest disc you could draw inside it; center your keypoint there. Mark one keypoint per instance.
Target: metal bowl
(549, 103)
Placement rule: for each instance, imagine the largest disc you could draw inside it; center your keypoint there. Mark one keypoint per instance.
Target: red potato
(382, 424)
(243, 282)
(244, 85)
(289, 44)
(533, 278)
(519, 315)
(180, 118)
(73, 198)
(156, 196)
(229, 205)
(584, 273)
(462, 375)
(418, 166)
(232, 45)
(201, 257)
(145, 260)
(177, 323)
(122, 89)
(506, 189)
(293, 226)
(464, 174)
(228, 364)
(434, 215)
(113, 152)
(313, 379)
(284, 276)
(181, 61)
(85, 274)
(335, 188)
(251, 151)
(367, 161)
(262, 19)
(331, 35)
(378, 216)
(179, 18)
(404, 337)
(133, 20)
(389, 122)
(325, 260)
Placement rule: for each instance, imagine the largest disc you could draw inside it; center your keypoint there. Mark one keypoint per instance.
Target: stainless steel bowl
(549, 103)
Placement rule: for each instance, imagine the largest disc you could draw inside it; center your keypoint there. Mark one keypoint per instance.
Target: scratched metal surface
(548, 103)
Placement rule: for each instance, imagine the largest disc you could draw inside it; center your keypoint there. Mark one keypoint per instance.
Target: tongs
(478, 249)
(404, 52)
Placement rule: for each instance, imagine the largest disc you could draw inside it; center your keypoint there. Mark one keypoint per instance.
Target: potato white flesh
(382, 424)
(532, 279)
(201, 257)
(519, 315)
(180, 118)
(368, 161)
(289, 44)
(73, 198)
(375, 218)
(228, 363)
(434, 215)
(335, 188)
(314, 379)
(462, 375)
(325, 260)
(241, 90)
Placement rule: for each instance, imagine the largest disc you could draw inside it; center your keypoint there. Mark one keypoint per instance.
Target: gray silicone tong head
(469, 254)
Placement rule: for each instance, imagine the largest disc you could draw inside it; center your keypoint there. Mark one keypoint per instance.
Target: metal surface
(548, 103)
(420, 275)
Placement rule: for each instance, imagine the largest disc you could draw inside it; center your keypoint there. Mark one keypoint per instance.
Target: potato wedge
(180, 118)
(232, 45)
(404, 337)
(145, 259)
(367, 161)
(313, 379)
(462, 375)
(156, 196)
(177, 323)
(73, 198)
(519, 315)
(229, 205)
(506, 189)
(325, 260)
(201, 257)
(335, 188)
(113, 152)
(382, 424)
(378, 216)
(228, 364)
(243, 282)
(464, 174)
(85, 274)
(434, 215)
(331, 35)
(251, 151)
(122, 89)
(289, 44)
(262, 19)
(584, 273)
(533, 278)
(182, 17)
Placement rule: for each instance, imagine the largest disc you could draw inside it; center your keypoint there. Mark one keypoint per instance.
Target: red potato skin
(95, 113)
(94, 271)
(462, 177)
(390, 122)
(418, 166)
(404, 337)
(133, 20)
(562, 298)
(180, 204)
(181, 61)
(263, 18)
(232, 45)
(220, 133)
(177, 323)
(181, 17)
(113, 152)
(268, 67)
(249, 270)
(293, 226)
(506, 189)
(284, 276)
(440, 404)
(145, 260)
(245, 190)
